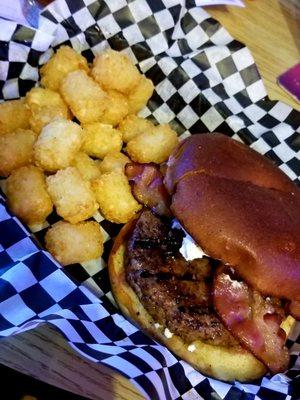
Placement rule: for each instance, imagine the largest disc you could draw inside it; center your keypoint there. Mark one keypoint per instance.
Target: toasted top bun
(240, 209)
(225, 363)
(219, 155)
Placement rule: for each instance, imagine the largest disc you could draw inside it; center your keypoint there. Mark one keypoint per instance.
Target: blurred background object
(290, 81)
(25, 12)
(28, 388)
(31, 10)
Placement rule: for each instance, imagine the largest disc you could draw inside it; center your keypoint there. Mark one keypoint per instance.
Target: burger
(211, 266)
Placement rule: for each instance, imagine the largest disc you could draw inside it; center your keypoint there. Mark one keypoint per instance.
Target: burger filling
(174, 291)
(190, 294)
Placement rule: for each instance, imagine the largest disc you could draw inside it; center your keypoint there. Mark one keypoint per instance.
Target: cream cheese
(168, 334)
(191, 348)
(235, 284)
(189, 249)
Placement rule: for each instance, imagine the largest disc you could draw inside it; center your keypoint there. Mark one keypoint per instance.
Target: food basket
(204, 81)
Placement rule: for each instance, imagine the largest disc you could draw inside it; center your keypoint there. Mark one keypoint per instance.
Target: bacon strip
(147, 186)
(252, 319)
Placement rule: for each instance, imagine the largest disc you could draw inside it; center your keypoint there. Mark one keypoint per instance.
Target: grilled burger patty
(175, 292)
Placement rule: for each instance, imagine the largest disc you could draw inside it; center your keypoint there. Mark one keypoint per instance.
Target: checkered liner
(204, 81)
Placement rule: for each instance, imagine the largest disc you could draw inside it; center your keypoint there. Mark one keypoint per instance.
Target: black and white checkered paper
(204, 81)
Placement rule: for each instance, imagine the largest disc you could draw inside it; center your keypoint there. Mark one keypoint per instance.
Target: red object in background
(44, 2)
(290, 81)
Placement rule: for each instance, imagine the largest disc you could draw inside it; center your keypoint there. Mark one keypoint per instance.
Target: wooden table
(271, 34)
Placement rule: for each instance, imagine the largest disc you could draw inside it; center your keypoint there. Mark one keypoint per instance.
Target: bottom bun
(224, 363)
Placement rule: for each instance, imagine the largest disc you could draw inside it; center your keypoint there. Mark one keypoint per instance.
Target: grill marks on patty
(175, 292)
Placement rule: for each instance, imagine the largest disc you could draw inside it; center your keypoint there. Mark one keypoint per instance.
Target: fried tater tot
(116, 108)
(140, 95)
(101, 139)
(132, 126)
(114, 161)
(155, 146)
(88, 168)
(84, 96)
(16, 150)
(57, 144)
(14, 114)
(45, 105)
(64, 61)
(72, 195)
(114, 70)
(27, 196)
(114, 196)
(71, 244)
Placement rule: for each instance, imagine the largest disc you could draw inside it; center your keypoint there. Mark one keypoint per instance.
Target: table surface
(271, 33)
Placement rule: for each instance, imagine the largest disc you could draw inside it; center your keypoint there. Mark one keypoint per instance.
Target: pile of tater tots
(65, 146)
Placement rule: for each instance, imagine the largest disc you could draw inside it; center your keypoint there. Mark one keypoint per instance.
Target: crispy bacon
(253, 320)
(147, 186)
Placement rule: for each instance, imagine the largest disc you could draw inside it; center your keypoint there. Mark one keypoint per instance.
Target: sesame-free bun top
(219, 155)
(241, 209)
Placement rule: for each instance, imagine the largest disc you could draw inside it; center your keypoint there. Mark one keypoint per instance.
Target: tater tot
(132, 126)
(72, 195)
(155, 146)
(114, 70)
(16, 150)
(140, 95)
(14, 114)
(45, 105)
(27, 196)
(114, 196)
(116, 108)
(88, 168)
(84, 96)
(57, 144)
(64, 61)
(101, 139)
(114, 161)
(71, 244)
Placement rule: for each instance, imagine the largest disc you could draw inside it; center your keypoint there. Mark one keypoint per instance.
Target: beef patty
(175, 292)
